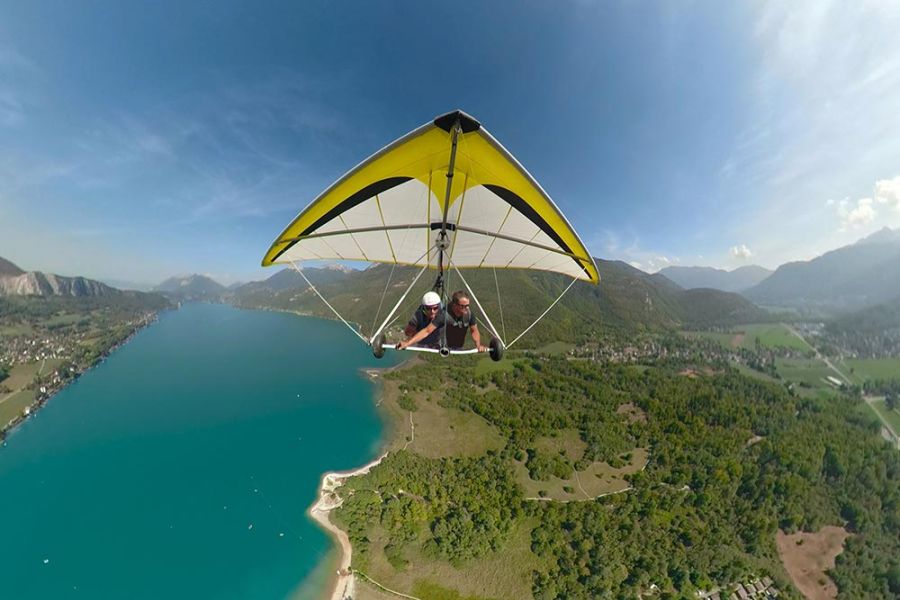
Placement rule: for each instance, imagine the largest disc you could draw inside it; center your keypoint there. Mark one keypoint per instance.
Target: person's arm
(421, 335)
(476, 337)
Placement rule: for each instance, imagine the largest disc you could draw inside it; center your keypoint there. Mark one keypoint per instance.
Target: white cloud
(854, 217)
(741, 252)
(887, 191)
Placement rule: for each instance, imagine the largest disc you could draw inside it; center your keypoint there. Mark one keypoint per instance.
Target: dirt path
(412, 432)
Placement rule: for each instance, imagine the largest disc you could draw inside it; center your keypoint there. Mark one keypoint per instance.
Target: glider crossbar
(337, 314)
(433, 350)
(542, 314)
(481, 308)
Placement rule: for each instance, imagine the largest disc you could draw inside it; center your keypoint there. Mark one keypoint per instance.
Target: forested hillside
(870, 332)
(731, 461)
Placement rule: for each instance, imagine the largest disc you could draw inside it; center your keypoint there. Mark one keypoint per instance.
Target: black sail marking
(359, 197)
(532, 215)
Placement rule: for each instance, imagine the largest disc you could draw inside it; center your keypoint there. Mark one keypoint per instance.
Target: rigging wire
(337, 314)
(542, 314)
(477, 303)
(499, 304)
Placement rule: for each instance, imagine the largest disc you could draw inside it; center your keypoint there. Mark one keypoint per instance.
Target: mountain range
(849, 278)
(16, 282)
(737, 280)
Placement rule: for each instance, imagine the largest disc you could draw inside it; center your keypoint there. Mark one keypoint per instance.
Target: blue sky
(140, 140)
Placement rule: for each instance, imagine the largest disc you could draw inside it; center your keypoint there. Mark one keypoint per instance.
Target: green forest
(731, 461)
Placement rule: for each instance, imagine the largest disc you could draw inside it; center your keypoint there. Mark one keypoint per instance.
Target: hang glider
(447, 194)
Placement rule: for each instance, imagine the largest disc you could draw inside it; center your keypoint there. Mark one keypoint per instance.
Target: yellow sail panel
(393, 206)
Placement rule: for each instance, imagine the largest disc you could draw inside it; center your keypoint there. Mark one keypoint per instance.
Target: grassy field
(485, 365)
(769, 335)
(891, 416)
(555, 348)
(772, 336)
(502, 574)
(873, 368)
(13, 405)
(16, 330)
(63, 320)
(439, 431)
(597, 479)
(810, 371)
(725, 340)
(21, 375)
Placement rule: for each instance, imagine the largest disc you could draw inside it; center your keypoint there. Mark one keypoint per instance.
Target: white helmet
(431, 299)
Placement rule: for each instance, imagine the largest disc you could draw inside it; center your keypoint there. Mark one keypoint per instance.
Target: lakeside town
(39, 355)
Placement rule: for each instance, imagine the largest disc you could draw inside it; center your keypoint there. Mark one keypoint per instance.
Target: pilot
(460, 319)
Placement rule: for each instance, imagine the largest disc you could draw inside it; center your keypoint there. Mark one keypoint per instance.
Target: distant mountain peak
(191, 287)
(36, 283)
(885, 235)
(8, 269)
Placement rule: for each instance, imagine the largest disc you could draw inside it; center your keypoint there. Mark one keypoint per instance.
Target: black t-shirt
(420, 321)
(457, 327)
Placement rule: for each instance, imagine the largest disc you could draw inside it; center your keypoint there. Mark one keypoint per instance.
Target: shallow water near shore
(182, 466)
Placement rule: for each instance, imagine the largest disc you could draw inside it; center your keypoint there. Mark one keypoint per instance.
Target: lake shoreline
(343, 581)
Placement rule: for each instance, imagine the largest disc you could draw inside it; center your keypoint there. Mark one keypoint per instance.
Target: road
(824, 359)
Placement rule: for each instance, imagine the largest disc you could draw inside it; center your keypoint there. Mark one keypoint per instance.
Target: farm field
(872, 368)
(772, 336)
(809, 371)
(11, 406)
(745, 336)
(723, 339)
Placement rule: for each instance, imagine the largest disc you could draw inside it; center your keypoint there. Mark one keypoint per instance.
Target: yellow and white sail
(392, 207)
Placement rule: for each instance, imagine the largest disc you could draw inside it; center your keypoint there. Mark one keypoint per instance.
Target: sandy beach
(328, 501)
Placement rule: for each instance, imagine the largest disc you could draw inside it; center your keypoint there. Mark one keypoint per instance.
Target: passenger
(425, 328)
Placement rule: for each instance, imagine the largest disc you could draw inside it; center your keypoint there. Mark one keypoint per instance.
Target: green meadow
(770, 335)
(873, 368)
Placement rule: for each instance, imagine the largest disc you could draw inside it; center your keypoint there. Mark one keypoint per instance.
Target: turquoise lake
(183, 465)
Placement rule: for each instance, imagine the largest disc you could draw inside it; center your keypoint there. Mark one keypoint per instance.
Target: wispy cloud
(17, 74)
(826, 90)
